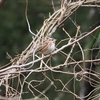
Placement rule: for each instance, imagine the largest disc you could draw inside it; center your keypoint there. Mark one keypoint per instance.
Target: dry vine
(27, 60)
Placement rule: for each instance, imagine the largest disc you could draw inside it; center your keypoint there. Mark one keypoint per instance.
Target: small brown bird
(48, 46)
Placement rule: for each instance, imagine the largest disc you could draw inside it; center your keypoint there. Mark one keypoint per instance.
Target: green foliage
(14, 35)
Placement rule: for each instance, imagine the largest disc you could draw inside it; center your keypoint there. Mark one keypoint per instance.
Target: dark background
(15, 37)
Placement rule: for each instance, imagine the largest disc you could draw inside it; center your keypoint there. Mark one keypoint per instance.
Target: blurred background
(15, 37)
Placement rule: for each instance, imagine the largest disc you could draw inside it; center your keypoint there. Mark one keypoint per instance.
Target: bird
(47, 47)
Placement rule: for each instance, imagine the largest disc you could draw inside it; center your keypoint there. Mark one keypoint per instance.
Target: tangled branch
(25, 62)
